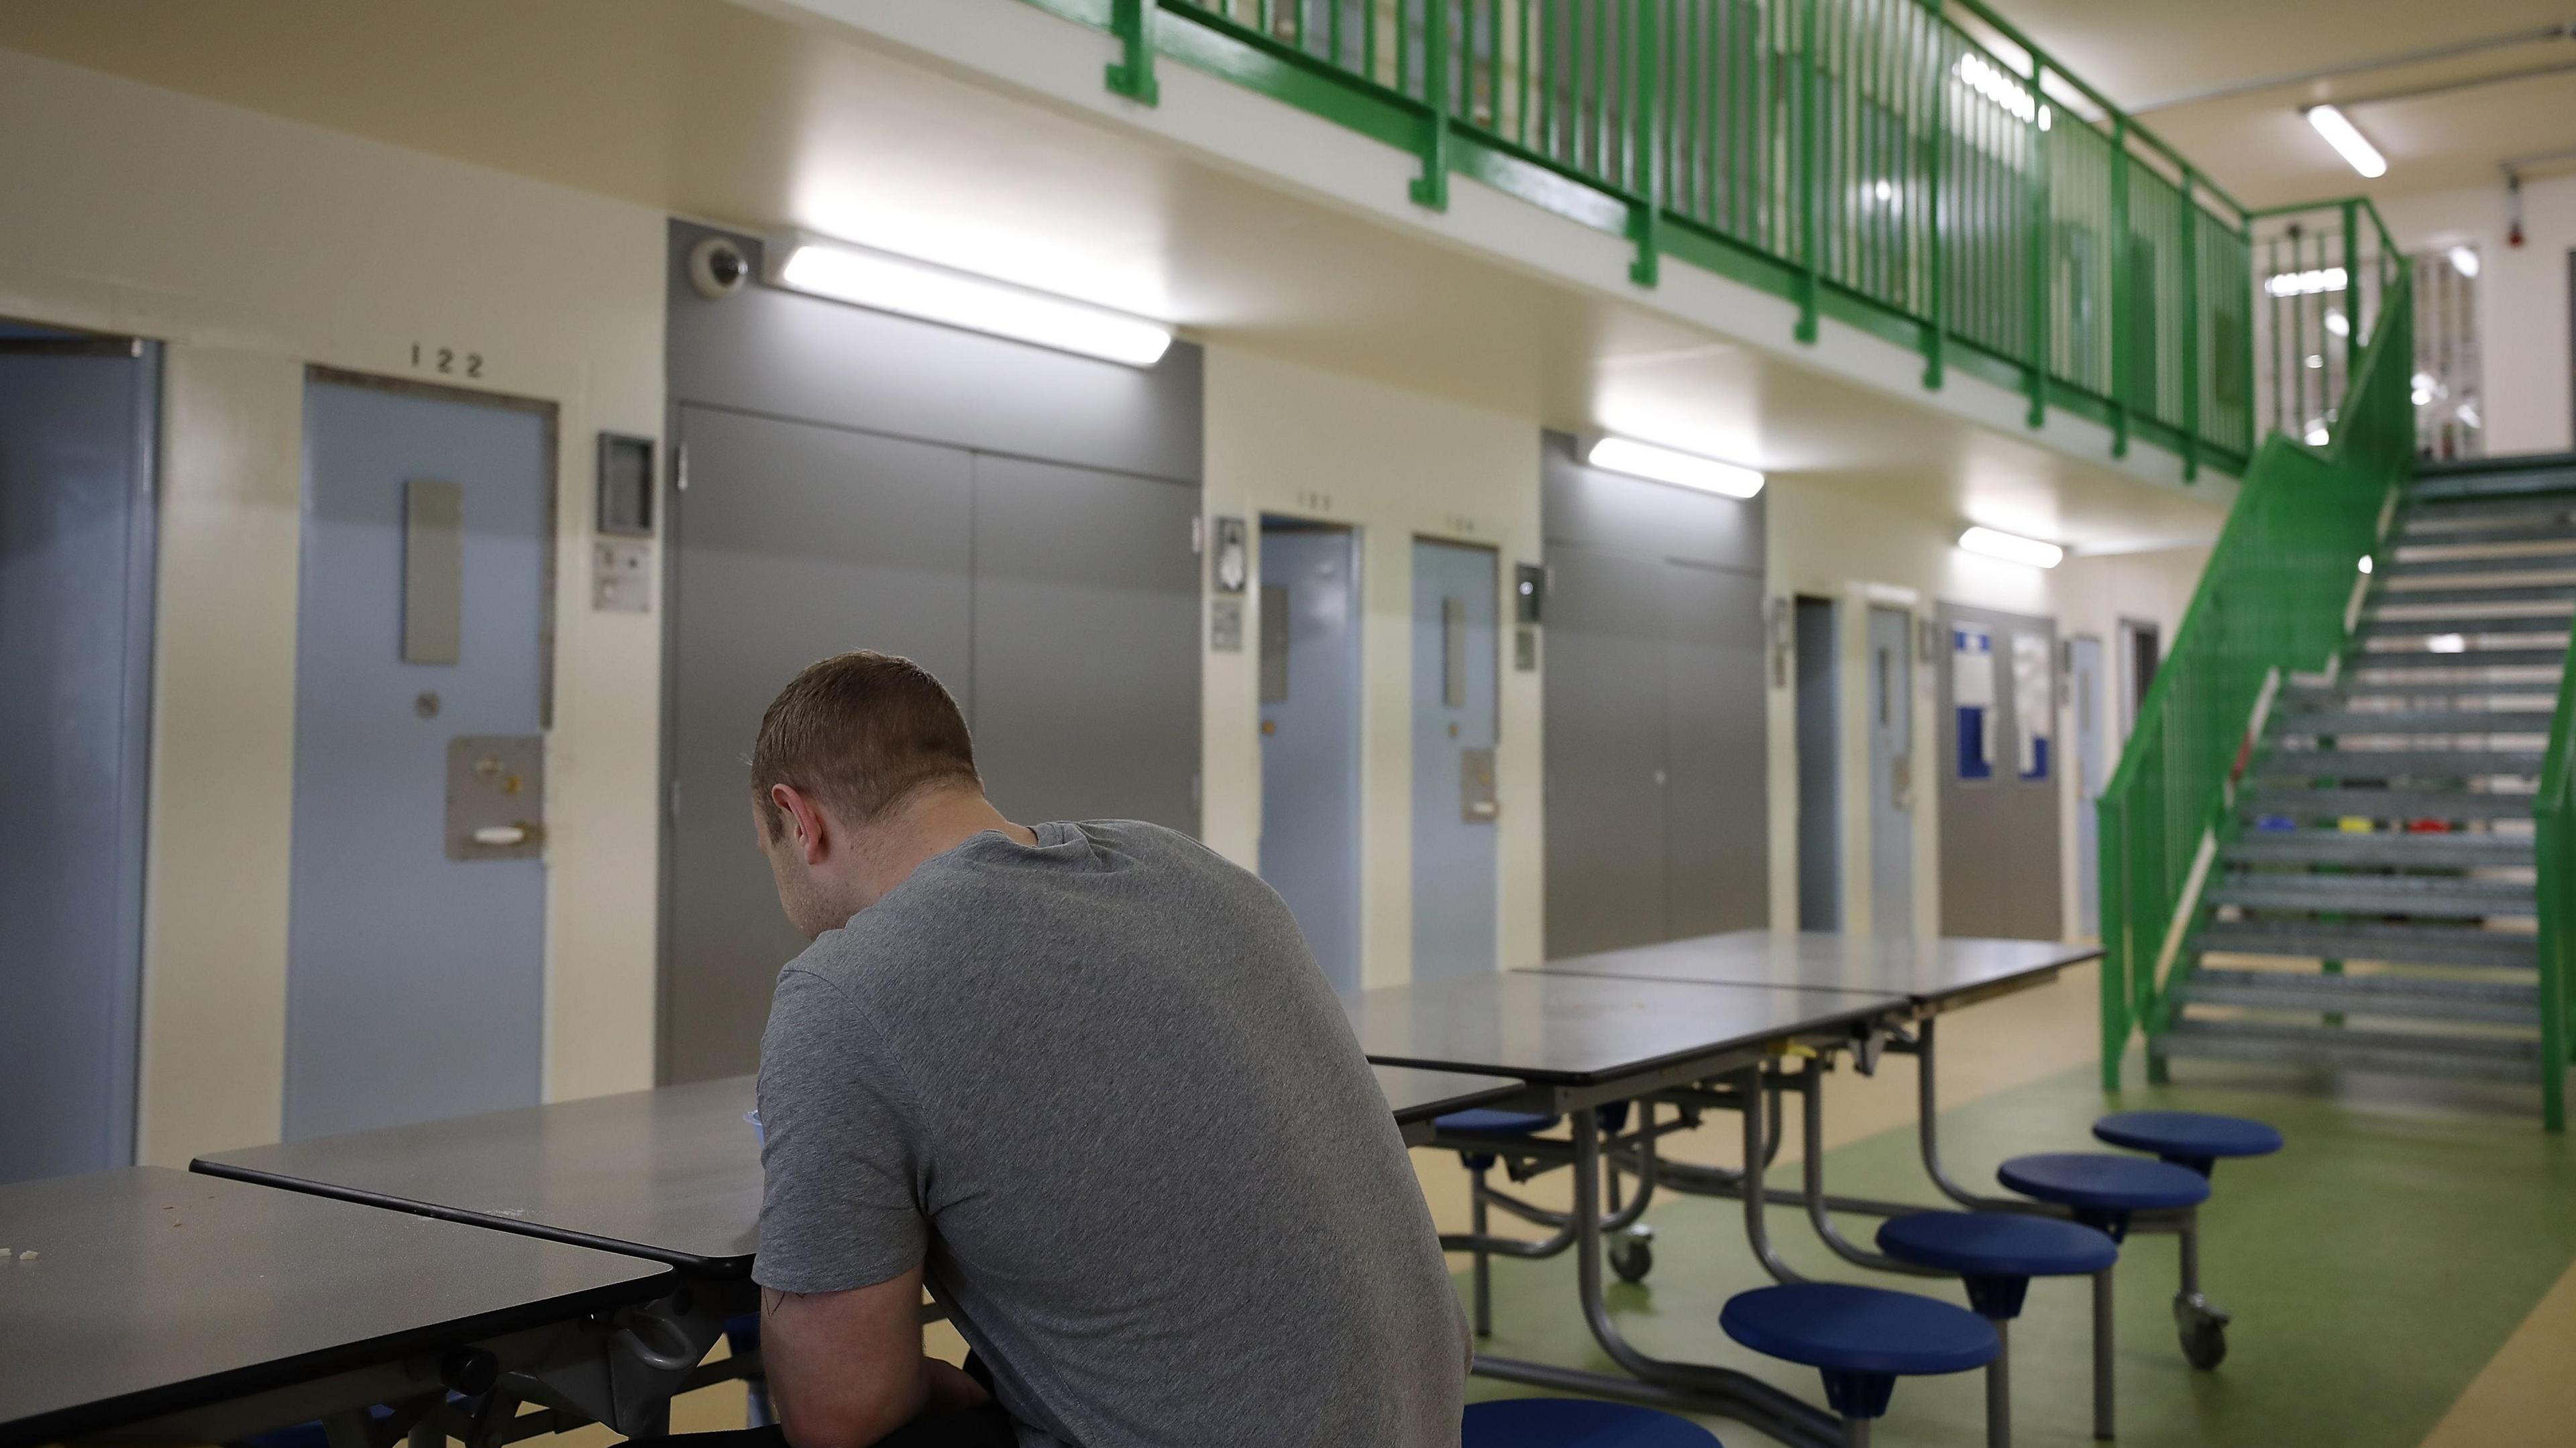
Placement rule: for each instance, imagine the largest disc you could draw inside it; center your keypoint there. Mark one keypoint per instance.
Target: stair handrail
(2553, 819)
(2272, 601)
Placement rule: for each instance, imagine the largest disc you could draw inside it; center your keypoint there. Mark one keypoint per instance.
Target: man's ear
(806, 823)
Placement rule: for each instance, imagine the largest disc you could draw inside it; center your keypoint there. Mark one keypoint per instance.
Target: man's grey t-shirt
(1101, 1091)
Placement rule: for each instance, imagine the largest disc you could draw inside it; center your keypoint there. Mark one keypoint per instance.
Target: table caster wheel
(1632, 1258)
(2203, 1330)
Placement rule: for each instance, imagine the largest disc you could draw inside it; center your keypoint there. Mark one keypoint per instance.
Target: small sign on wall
(1225, 625)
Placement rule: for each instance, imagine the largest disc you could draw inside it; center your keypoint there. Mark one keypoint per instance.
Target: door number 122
(447, 360)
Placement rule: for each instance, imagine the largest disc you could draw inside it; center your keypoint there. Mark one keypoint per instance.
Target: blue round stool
(1577, 1423)
(1861, 1338)
(2193, 1139)
(2104, 1189)
(1997, 1253)
(1497, 1126)
(1630, 1255)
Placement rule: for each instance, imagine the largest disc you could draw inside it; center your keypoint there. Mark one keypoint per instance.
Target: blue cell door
(76, 418)
(415, 980)
(1310, 735)
(1455, 714)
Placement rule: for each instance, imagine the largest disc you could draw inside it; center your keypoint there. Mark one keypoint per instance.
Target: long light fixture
(2012, 548)
(2464, 261)
(1664, 465)
(892, 283)
(2348, 140)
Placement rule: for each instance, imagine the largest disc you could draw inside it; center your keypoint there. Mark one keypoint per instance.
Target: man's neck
(932, 824)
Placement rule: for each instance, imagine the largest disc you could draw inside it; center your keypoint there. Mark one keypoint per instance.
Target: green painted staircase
(2375, 900)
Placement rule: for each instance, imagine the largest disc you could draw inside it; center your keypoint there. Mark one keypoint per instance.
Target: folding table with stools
(670, 1175)
(1583, 1042)
(150, 1304)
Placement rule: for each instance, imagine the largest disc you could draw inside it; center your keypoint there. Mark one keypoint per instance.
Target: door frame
(551, 415)
(134, 769)
(1262, 519)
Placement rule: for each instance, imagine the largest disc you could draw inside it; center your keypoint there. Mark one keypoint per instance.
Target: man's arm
(845, 1368)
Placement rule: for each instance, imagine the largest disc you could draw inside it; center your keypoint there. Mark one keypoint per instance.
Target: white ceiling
(2261, 148)
(708, 110)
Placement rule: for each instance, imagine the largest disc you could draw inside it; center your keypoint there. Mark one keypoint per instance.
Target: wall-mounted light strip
(1664, 465)
(2348, 141)
(2011, 548)
(892, 283)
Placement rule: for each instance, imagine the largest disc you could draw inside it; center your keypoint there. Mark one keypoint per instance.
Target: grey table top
(153, 1291)
(1583, 1029)
(1418, 1095)
(1928, 971)
(672, 1174)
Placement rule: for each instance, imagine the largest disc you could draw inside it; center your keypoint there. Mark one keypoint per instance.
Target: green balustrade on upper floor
(1910, 167)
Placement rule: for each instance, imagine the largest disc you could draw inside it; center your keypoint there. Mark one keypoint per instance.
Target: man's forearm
(840, 1374)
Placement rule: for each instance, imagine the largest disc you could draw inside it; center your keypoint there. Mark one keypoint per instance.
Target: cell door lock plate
(621, 576)
(1476, 787)
(1901, 777)
(496, 797)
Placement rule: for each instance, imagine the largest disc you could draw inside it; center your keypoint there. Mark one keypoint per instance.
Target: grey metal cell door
(1890, 689)
(1820, 758)
(792, 542)
(1086, 685)
(76, 517)
(1455, 713)
(415, 981)
(1310, 736)
(1998, 760)
(1606, 735)
(2092, 771)
(1717, 850)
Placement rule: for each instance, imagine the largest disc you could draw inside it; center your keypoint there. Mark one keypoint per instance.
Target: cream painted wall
(253, 246)
(2522, 302)
(1832, 543)
(1292, 440)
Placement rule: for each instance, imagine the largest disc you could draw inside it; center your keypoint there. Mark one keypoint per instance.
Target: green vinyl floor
(2373, 1268)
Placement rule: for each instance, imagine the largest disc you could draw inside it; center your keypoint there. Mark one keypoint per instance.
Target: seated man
(1087, 1084)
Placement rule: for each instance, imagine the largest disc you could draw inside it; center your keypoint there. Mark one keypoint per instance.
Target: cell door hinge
(1198, 536)
(680, 467)
(673, 804)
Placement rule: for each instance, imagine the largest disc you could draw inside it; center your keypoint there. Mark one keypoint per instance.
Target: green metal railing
(2554, 821)
(1906, 166)
(2272, 602)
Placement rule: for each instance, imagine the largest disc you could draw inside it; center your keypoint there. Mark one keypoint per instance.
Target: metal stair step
(2496, 1002)
(2382, 804)
(2525, 511)
(2544, 526)
(2409, 568)
(2391, 850)
(2484, 486)
(2412, 1053)
(2461, 662)
(2470, 593)
(2445, 899)
(2398, 763)
(2366, 722)
(2321, 696)
(2467, 626)
(2398, 944)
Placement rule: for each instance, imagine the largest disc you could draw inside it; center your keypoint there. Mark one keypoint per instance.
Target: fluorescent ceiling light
(1663, 465)
(2011, 549)
(2464, 261)
(892, 283)
(2348, 142)
(2337, 325)
(2446, 644)
(2365, 563)
(2307, 283)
